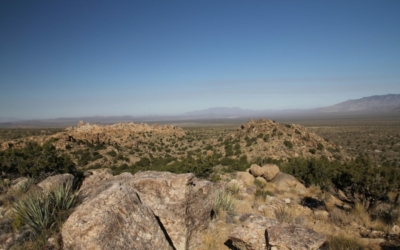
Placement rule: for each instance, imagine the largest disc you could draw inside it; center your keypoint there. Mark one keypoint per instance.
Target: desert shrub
(312, 150)
(288, 144)
(342, 242)
(259, 184)
(224, 201)
(34, 161)
(262, 194)
(297, 132)
(320, 146)
(64, 196)
(34, 211)
(38, 211)
(283, 214)
(339, 217)
(112, 153)
(233, 189)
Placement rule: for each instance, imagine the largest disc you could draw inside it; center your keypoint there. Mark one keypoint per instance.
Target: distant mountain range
(385, 103)
(373, 105)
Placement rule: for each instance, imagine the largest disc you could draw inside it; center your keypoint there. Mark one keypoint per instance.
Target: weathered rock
(181, 202)
(294, 237)
(258, 232)
(18, 183)
(255, 170)
(114, 218)
(246, 178)
(93, 179)
(53, 181)
(268, 171)
(395, 230)
(285, 182)
(251, 235)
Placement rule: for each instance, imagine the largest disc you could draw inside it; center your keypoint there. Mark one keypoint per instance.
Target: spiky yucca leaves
(64, 196)
(38, 211)
(35, 211)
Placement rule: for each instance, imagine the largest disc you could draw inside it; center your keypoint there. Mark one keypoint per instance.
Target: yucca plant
(35, 211)
(64, 196)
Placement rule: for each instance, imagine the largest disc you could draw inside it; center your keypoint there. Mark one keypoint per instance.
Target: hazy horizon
(92, 58)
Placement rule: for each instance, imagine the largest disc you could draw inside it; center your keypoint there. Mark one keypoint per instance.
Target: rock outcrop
(258, 232)
(268, 171)
(182, 202)
(116, 134)
(178, 206)
(114, 218)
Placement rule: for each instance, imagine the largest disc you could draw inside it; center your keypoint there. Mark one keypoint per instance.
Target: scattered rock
(285, 236)
(268, 171)
(258, 232)
(395, 229)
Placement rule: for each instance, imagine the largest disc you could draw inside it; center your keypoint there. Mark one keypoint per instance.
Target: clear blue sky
(84, 58)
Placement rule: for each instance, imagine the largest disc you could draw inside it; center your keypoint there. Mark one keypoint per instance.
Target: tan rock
(57, 180)
(114, 218)
(270, 171)
(258, 232)
(246, 178)
(256, 170)
(285, 182)
(294, 237)
(93, 179)
(181, 202)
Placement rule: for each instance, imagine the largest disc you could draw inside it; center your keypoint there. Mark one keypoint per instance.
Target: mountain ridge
(372, 105)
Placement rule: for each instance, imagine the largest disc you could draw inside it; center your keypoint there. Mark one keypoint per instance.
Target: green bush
(34, 161)
(288, 144)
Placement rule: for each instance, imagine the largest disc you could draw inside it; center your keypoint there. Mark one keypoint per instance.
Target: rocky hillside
(283, 141)
(129, 143)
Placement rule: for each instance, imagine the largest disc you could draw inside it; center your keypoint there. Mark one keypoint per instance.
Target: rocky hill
(128, 143)
(283, 141)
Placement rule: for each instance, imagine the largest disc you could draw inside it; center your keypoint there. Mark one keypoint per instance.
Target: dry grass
(361, 214)
(340, 217)
(224, 203)
(342, 242)
(284, 214)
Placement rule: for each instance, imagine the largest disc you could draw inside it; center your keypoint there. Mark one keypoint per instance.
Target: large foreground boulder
(114, 218)
(182, 202)
(148, 210)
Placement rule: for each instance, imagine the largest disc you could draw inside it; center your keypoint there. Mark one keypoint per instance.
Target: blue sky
(85, 58)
